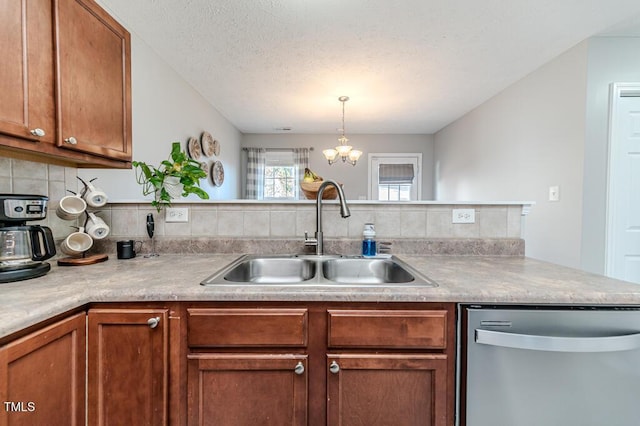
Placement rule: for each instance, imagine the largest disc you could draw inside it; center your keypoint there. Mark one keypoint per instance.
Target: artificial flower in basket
(178, 176)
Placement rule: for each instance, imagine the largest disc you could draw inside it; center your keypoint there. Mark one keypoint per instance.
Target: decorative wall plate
(217, 173)
(204, 167)
(216, 147)
(193, 148)
(207, 142)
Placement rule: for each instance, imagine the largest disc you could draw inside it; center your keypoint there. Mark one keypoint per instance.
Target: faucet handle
(309, 241)
(384, 247)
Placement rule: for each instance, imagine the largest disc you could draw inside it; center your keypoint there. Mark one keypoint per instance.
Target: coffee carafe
(23, 248)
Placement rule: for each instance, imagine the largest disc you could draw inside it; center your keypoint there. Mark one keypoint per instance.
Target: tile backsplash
(28, 177)
(237, 226)
(277, 220)
(241, 227)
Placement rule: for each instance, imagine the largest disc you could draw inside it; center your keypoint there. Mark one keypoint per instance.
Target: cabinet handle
(37, 132)
(153, 322)
(334, 367)
(299, 368)
(71, 140)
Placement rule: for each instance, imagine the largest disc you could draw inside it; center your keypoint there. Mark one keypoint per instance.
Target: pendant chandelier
(344, 151)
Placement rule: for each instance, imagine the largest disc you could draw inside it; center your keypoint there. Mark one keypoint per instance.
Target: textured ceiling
(409, 66)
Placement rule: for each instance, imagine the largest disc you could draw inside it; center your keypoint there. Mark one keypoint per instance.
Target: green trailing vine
(179, 165)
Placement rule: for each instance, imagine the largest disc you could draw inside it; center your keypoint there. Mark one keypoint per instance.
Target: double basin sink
(313, 270)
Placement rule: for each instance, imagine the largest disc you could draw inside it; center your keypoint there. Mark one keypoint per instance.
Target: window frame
(375, 159)
(271, 163)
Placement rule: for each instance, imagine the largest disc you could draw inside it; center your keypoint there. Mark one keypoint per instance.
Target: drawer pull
(299, 370)
(153, 322)
(71, 140)
(37, 132)
(334, 367)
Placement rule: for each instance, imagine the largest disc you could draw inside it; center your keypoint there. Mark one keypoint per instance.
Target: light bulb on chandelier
(344, 151)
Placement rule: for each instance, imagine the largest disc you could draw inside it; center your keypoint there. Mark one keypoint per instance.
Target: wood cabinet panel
(42, 376)
(247, 327)
(247, 389)
(66, 72)
(27, 72)
(392, 329)
(387, 389)
(127, 367)
(94, 81)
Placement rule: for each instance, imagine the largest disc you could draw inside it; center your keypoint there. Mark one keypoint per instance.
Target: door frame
(616, 90)
(394, 157)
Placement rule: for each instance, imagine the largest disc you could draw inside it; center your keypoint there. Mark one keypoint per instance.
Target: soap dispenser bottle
(369, 240)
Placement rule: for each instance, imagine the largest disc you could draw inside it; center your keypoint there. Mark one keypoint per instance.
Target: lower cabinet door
(42, 376)
(386, 389)
(247, 389)
(128, 367)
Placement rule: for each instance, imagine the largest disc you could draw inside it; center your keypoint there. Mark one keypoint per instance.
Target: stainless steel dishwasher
(549, 367)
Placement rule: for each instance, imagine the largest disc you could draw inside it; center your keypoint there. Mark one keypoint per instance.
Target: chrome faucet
(344, 212)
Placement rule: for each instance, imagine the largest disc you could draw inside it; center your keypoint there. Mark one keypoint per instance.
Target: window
(280, 175)
(274, 173)
(394, 177)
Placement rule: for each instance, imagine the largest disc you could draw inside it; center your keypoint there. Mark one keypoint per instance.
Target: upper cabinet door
(94, 80)
(27, 107)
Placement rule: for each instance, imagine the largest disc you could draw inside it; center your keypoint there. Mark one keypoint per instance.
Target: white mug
(76, 243)
(70, 207)
(96, 227)
(95, 197)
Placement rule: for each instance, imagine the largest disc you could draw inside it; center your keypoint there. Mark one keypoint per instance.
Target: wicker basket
(310, 190)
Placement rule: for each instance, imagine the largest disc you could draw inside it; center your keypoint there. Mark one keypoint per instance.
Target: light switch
(554, 193)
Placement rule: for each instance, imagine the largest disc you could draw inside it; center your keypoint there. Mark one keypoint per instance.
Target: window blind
(396, 174)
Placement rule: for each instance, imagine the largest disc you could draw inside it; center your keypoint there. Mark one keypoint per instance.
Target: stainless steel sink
(366, 271)
(314, 270)
(266, 270)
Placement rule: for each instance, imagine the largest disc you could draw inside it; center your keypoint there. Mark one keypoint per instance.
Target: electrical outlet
(176, 214)
(464, 216)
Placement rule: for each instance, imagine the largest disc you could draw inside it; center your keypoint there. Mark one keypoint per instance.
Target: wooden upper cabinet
(27, 100)
(94, 81)
(65, 83)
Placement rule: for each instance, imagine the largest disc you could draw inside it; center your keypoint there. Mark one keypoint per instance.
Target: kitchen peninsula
(161, 304)
(172, 277)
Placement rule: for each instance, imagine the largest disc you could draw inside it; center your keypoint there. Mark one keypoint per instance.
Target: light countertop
(176, 277)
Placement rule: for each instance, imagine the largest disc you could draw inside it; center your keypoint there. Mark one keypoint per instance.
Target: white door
(623, 210)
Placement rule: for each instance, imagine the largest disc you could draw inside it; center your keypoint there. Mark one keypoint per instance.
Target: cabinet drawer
(393, 329)
(247, 327)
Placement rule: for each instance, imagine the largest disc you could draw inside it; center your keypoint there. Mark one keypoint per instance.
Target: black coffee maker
(23, 248)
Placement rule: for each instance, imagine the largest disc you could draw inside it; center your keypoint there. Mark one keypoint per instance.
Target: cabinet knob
(334, 367)
(153, 322)
(71, 140)
(37, 132)
(299, 368)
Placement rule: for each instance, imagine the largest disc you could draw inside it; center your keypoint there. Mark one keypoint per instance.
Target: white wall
(516, 145)
(611, 60)
(354, 178)
(166, 109)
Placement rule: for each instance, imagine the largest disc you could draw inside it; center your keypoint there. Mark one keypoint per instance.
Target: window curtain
(301, 161)
(255, 173)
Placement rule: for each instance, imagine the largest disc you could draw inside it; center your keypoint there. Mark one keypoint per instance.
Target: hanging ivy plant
(175, 177)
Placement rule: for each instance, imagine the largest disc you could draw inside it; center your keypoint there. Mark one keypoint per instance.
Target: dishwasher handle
(558, 344)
